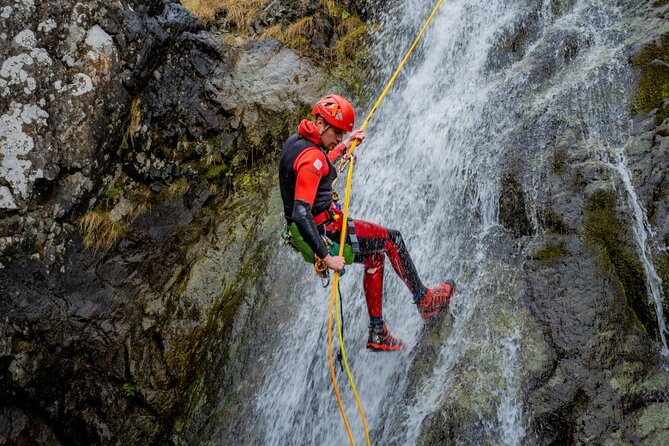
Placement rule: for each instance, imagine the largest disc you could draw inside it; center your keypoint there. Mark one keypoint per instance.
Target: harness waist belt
(323, 217)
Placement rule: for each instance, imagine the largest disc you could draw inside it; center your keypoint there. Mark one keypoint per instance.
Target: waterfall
(430, 168)
(643, 233)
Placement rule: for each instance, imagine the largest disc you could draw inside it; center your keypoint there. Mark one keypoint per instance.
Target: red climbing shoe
(380, 339)
(436, 299)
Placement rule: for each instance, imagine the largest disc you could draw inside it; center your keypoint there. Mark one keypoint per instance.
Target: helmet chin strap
(325, 129)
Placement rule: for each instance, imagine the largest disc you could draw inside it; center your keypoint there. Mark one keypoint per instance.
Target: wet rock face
(97, 347)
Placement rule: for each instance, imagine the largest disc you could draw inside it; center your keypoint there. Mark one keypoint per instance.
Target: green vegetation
(135, 122)
(129, 389)
(245, 224)
(559, 161)
(662, 266)
(237, 13)
(215, 171)
(551, 252)
(659, 194)
(177, 189)
(653, 89)
(114, 192)
(514, 40)
(100, 229)
(295, 36)
(552, 222)
(605, 232)
(185, 150)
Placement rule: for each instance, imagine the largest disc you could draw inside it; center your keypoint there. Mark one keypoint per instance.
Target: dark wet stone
(164, 220)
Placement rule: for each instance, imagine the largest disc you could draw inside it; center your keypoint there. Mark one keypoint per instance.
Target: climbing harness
(334, 292)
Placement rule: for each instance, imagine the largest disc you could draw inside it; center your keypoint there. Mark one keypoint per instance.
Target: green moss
(247, 259)
(581, 399)
(662, 114)
(551, 252)
(553, 223)
(559, 161)
(177, 189)
(662, 267)
(654, 82)
(653, 424)
(605, 232)
(660, 193)
(114, 192)
(514, 40)
(185, 150)
(659, 3)
(577, 181)
(353, 60)
(215, 171)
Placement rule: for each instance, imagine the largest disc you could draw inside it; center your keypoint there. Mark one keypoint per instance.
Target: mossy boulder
(507, 338)
(653, 62)
(605, 232)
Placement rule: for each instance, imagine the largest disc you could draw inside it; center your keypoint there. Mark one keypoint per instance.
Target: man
(306, 176)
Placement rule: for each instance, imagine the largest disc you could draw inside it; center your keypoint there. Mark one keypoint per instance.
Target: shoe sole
(384, 347)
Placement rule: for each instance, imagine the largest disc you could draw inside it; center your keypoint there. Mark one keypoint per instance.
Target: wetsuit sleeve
(310, 167)
(337, 152)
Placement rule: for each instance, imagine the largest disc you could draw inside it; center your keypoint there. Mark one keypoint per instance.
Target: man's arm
(342, 147)
(337, 152)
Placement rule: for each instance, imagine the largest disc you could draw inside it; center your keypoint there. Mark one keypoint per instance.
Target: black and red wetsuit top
(306, 176)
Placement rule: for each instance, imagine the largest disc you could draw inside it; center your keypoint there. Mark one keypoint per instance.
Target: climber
(306, 176)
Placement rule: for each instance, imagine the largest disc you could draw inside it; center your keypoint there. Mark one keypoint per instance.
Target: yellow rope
(334, 296)
(332, 372)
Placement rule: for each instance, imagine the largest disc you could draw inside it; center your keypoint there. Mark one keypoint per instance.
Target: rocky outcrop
(69, 72)
(158, 134)
(587, 288)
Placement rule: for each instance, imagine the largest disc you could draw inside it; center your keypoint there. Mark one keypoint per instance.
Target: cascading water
(643, 233)
(430, 168)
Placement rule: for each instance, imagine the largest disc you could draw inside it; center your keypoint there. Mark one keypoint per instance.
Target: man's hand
(336, 263)
(358, 135)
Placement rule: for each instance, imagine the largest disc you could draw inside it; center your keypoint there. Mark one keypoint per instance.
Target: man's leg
(372, 283)
(376, 239)
(373, 242)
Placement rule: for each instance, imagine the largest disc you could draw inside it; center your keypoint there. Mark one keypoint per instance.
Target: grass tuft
(99, 231)
(238, 13)
(177, 189)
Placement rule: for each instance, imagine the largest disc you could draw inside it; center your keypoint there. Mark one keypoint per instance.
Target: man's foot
(436, 299)
(380, 339)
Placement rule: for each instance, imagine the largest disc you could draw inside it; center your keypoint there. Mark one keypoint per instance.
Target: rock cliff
(133, 144)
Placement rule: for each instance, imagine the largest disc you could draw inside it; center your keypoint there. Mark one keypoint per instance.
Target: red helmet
(336, 111)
